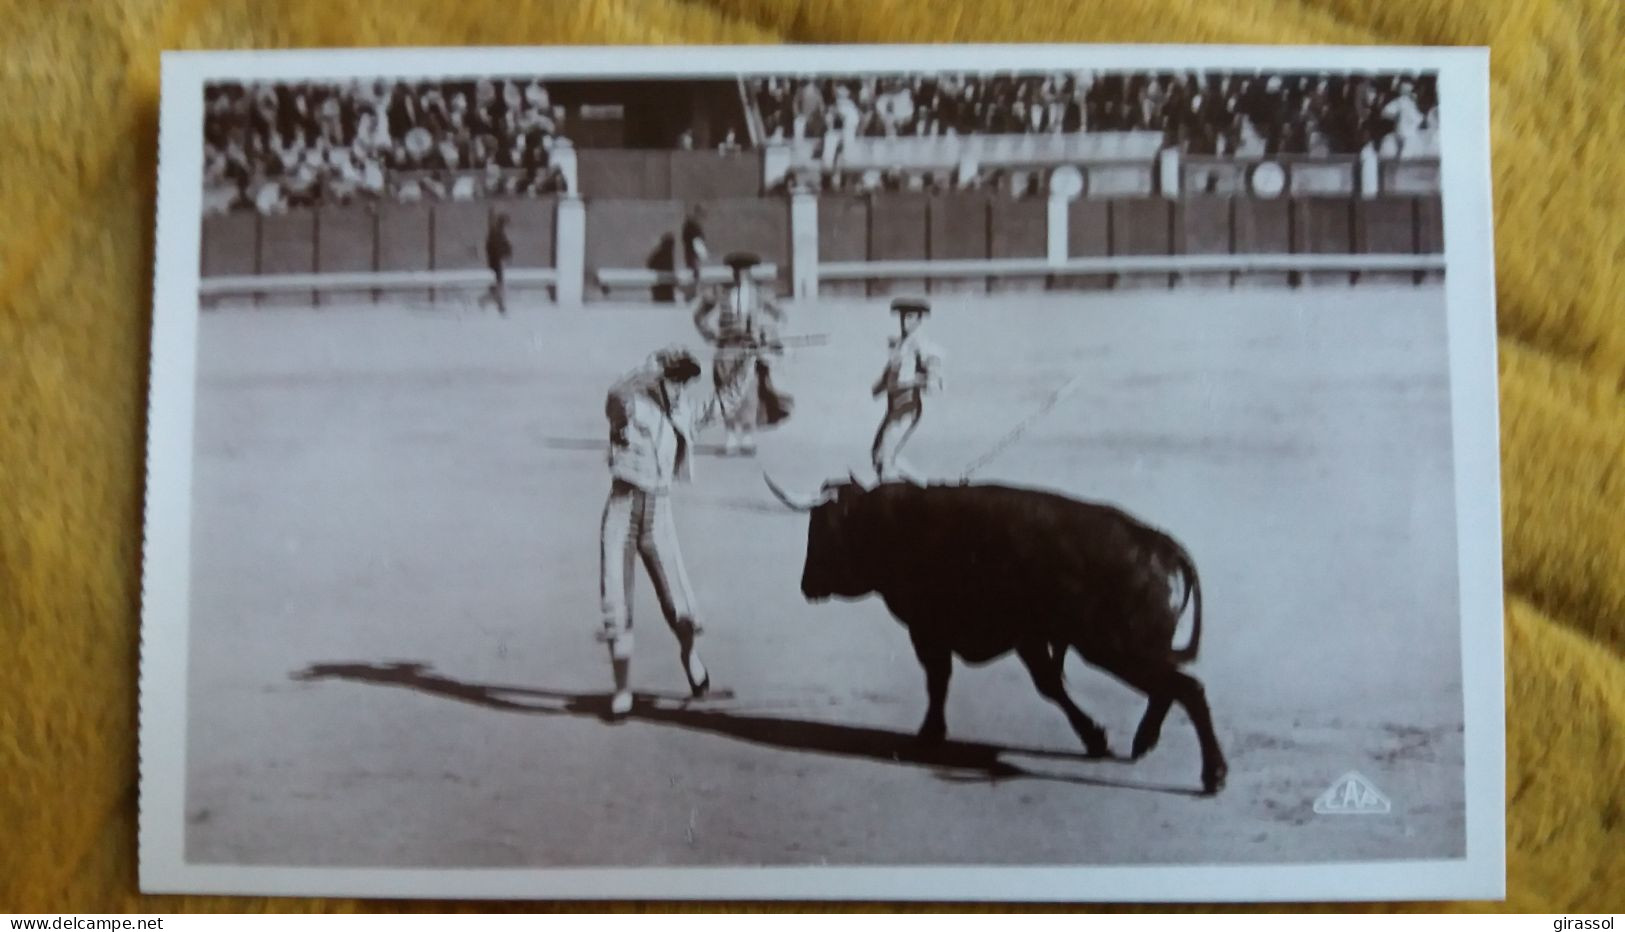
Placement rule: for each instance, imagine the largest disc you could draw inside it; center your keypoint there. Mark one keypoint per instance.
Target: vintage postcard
(1029, 473)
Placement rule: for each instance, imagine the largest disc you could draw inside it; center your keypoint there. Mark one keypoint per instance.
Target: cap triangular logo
(1352, 794)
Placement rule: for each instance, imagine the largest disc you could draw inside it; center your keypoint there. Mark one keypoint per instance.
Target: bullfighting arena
(395, 547)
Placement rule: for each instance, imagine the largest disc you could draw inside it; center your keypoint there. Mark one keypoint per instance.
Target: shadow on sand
(957, 761)
(584, 445)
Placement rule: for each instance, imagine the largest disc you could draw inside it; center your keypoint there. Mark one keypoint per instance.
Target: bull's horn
(792, 504)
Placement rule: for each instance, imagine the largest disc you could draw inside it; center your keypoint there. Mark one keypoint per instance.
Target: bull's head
(837, 539)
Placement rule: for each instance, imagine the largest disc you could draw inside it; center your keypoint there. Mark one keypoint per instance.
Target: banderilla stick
(1015, 433)
(805, 339)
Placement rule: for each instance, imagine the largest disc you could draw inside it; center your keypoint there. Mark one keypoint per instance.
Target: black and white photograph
(1064, 473)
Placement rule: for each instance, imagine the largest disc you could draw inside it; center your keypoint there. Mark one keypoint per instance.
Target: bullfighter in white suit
(654, 414)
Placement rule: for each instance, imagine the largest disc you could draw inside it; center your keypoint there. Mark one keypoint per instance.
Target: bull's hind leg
(938, 662)
(1150, 730)
(1045, 661)
(1189, 693)
(1165, 684)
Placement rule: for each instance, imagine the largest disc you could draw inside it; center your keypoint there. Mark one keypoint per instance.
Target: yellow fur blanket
(79, 85)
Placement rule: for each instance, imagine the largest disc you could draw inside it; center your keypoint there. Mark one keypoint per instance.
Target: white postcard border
(1470, 297)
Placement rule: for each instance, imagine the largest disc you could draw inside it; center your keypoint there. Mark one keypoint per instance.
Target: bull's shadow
(960, 761)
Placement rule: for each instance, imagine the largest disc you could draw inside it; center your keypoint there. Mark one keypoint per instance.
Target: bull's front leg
(938, 662)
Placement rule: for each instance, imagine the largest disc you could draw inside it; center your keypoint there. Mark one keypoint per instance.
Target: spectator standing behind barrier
(1406, 118)
(498, 250)
(663, 262)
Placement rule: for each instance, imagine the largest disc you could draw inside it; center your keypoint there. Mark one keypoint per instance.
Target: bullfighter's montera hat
(910, 305)
(741, 261)
(675, 362)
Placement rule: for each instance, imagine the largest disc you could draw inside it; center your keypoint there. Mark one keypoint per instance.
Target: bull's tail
(1193, 599)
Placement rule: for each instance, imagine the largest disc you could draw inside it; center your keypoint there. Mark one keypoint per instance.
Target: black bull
(978, 571)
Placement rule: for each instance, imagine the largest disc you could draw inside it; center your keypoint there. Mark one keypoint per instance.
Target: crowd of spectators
(1200, 113)
(270, 146)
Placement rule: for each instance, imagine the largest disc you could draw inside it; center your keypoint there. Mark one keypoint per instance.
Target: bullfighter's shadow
(584, 445)
(954, 760)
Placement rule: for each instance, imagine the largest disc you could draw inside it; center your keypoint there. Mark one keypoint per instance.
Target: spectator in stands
(480, 152)
(303, 184)
(263, 111)
(945, 104)
(434, 186)
(330, 117)
(371, 133)
(1265, 106)
(1054, 97)
(536, 97)
(922, 92)
(523, 153)
(409, 191)
(1405, 116)
(432, 106)
(270, 199)
(372, 178)
(271, 145)
(773, 106)
(808, 122)
(409, 152)
(342, 175)
(846, 120)
(463, 188)
(402, 113)
(894, 108)
(493, 183)
(513, 99)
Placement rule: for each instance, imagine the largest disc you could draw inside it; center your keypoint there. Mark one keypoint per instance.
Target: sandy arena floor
(395, 546)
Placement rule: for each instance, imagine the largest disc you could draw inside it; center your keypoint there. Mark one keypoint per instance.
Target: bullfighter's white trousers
(639, 524)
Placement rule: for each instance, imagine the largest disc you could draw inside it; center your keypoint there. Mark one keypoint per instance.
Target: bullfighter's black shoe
(703, 686)
(699, 678)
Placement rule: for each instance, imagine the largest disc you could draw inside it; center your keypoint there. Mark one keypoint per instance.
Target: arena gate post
(804, 245)
(570, 249)
(1065, 185)
(1370, 174)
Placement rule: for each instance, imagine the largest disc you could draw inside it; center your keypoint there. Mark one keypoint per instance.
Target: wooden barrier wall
(922, 226)
(626, 233)
(973, 226)
(402, 235)
(387, 238)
